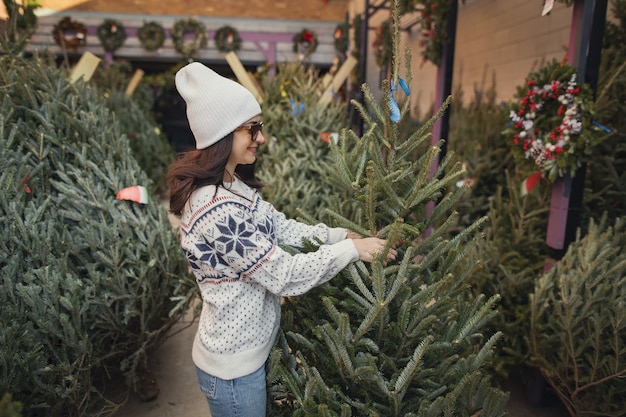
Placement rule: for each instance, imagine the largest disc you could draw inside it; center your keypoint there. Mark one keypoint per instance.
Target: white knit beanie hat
(216, 105)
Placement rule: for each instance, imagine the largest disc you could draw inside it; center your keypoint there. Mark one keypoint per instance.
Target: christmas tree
(391, 339)
(293, 157)
(578, 322)
(20, 25)
(512, 255)
(136, 119)
(89, 283)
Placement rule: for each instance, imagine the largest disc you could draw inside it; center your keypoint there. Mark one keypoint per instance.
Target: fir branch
(346, 223)
(406, 376)
(423, 133)
(370, 213)
(362, 301)
(360, 284)
(338, 351)
(480, 314)
(372, 103)
(486, 351)
(395, 41)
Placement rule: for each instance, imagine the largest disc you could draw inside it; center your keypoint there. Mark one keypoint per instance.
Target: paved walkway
(174, 371)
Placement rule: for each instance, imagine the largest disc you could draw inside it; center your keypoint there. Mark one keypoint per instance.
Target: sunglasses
(254, 128)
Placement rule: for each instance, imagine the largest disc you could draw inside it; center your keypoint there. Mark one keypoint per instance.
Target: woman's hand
(370, 247)
(353, 235)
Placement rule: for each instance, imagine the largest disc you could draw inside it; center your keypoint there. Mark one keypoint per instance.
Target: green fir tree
(136, 119)
(476, 139)
(512, 255)
(403, 338)
(20, 25)
(578, 323)
(89, 284)
(292, 159)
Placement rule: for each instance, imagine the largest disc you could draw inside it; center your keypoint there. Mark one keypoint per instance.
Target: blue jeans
(239, 397)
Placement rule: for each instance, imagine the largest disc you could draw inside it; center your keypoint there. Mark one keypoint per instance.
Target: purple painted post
(562, 187)
(271, 39)
(585, 44)
(559, 207)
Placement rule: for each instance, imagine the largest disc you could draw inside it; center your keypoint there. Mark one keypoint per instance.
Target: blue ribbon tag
(601, 126)
(296, 110)
(404, 87)
(393, 107)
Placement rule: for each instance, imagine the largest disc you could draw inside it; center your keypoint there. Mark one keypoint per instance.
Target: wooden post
(585, 45)
(339, 78)
(243, 76)
(133, 83)
(85, 67)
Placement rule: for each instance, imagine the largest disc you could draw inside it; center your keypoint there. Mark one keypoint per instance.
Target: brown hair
(200, 167)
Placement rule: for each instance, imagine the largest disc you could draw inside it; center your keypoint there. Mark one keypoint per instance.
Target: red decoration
(530, 183)
(304, 43)
(24, 184)
(136, 193)
(328, 136)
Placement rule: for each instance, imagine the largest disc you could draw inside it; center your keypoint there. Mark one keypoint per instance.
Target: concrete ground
(180, 397)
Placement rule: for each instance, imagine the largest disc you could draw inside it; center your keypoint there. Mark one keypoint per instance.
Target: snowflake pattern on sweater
(228, 237)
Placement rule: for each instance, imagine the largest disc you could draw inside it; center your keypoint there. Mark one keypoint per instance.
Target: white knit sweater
(231, 241)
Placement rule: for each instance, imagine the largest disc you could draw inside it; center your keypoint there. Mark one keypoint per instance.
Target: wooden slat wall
(254, 32)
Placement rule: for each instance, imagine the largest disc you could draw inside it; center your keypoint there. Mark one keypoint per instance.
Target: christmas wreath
(433, 34)
(227, 39)
(111, 34)
(70, 34)
(551, 123)
(151, 35)
(304, 43)
(181, 30)
(342, 37)
(382, 44)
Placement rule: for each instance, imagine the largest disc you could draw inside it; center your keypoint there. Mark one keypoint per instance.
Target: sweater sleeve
(288, 275)
(249, 249)
(291, 232)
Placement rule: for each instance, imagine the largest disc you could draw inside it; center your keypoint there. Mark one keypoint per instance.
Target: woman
(231, 238)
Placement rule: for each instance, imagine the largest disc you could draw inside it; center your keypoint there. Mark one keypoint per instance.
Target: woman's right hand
(370, 247)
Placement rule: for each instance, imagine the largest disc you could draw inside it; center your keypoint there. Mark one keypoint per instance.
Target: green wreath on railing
(342, 37)
(304, 43)
(111, 34)
(227, 39)
(151, 35)
(69, 34)
(189, 47)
